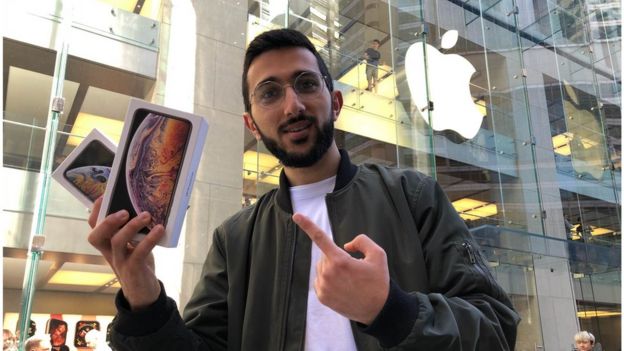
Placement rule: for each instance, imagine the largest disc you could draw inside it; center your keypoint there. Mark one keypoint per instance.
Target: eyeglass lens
(307, 84)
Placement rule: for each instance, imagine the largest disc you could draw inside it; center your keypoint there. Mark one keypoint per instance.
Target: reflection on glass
(520, 58)
(586, 144)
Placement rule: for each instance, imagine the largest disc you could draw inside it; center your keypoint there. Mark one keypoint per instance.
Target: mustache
(296, 119)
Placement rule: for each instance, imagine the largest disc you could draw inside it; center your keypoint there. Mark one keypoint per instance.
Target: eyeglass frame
(323, 79)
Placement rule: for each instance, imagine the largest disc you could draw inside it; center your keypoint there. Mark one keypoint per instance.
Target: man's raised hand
(355, 288)
(133, 264)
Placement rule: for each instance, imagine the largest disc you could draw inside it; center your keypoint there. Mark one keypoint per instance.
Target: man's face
(375, 45)
(8, 340)
(584, 345)
(299, 129)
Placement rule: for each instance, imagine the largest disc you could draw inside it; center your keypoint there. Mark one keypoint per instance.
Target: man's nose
(293, 105)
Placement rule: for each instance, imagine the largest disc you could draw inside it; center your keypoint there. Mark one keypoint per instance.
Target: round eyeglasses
(270, 94)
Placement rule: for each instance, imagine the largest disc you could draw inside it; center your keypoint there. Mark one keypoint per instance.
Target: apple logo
(448, 78)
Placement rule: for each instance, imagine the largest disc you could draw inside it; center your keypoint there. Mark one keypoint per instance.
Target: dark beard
(324, 140)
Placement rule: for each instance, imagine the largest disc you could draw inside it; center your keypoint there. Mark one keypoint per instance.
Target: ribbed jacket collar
(346, 172)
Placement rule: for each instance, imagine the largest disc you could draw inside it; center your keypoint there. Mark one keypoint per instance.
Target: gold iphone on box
(154, 168)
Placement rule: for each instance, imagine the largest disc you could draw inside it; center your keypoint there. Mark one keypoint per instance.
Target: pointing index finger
(318, 236)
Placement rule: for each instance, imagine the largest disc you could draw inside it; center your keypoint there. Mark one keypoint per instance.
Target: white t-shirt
(325, 328)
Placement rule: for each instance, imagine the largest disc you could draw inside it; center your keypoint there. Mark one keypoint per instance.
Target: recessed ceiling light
(67, 277)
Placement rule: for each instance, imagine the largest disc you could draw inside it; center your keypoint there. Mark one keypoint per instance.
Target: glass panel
(43, 152)
(514, 271)
(408, 33)
(585, 155)
(599, 306)
(569, 72)
(95, 86)
(500, 153)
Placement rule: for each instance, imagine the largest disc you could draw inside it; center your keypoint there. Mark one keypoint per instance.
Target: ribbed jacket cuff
(396, 319)
(145, 321)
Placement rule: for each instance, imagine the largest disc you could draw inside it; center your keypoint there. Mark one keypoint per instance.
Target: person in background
(38, 343)
(8, 339)
(584, 341)
(372, 57)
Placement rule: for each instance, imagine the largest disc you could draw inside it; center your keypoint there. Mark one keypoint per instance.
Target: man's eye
(307, 85)
(269, 93)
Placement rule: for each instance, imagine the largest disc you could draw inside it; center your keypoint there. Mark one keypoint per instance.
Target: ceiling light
(261, 166)
(467, 217)
(67, 277)
(561, 143)
(471, 209)
(465, 204)
(594, 231)
(597, 314)
(482, 107)
(600, 231)
(484, 211)
(86, 122)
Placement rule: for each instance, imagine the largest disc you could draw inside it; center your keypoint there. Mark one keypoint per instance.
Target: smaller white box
(86, 170)
(154, 168)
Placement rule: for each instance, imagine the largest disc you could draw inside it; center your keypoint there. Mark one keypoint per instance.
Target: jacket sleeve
(464, 308)
(160, 326)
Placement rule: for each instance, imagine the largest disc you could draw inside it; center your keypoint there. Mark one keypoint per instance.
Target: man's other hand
(355, 288)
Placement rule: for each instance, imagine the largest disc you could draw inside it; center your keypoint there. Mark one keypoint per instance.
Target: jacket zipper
(477, 263)
(472, 256)
(468, 247)
(287, 292)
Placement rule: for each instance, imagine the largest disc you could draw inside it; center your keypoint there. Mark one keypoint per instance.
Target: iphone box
(85, 171)
(155, 166)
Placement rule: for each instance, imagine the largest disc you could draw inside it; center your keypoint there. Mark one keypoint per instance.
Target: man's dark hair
(279, 39)
(376, 41)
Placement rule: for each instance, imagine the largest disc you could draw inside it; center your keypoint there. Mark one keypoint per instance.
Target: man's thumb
(362, 243)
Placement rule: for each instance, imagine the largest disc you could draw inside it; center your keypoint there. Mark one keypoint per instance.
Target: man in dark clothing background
(372, 57)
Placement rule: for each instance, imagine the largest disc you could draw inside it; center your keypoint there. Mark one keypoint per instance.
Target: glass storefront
(513, 107)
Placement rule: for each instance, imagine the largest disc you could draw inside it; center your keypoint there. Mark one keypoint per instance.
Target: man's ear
(336, 103)
(251, 125)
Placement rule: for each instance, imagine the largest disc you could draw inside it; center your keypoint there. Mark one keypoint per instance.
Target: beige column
(206, 38)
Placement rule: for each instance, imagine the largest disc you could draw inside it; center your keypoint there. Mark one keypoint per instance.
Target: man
(294, 271)
(37, 343)
(584, 341)
(372, 56)
(8, 340)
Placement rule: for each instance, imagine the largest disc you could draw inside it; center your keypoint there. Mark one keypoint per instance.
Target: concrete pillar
(552, 274)
(213, 35)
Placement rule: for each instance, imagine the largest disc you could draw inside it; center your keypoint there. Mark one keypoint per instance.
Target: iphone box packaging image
(86, 170)
(155, 166)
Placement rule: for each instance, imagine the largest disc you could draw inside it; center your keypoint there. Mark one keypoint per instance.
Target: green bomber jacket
(252, 292)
